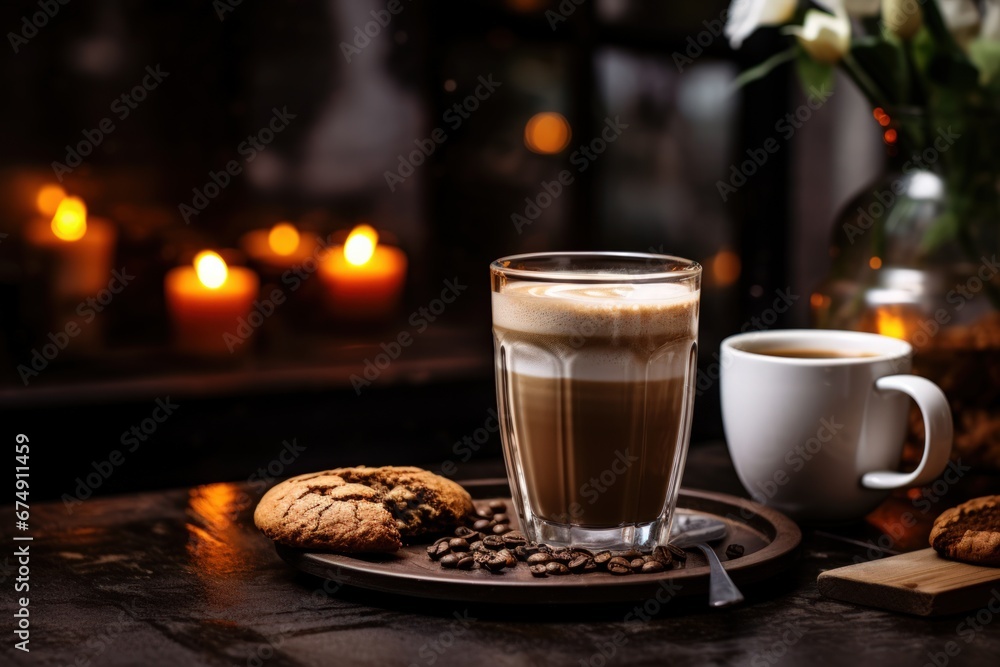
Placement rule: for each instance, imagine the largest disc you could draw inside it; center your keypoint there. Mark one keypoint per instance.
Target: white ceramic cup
(821, 439)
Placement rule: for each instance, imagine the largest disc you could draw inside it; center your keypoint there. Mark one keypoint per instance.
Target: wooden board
(920, 582)
(769, 538)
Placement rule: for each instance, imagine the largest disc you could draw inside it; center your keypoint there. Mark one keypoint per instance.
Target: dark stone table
(183, 578)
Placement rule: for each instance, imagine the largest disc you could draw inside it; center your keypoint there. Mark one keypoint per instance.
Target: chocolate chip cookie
(361, 510)
(970, 532)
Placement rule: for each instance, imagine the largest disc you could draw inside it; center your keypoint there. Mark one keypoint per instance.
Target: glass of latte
(595, 366)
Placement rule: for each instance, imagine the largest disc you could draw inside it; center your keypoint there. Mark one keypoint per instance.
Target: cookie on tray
(970, 532)
(361, 510)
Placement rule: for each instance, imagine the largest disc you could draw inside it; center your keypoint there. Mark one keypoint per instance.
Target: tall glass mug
(595, 366)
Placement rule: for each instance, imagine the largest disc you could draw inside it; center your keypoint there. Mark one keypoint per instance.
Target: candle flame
(211, 269)
(70, 220)
(360, 245)
(48, 198)
(283, 238)
(890, 323)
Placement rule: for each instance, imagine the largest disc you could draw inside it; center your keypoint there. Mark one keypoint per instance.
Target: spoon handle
(722, 592)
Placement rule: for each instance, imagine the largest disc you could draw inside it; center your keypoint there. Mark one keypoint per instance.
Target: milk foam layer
(608, 332)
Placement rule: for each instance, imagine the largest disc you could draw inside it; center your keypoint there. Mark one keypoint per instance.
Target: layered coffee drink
(594, 383)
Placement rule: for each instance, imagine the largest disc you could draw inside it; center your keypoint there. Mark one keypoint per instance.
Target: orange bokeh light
(889, 136)
(726, 267)
(48, 198)
(547, 133)
(875, 263)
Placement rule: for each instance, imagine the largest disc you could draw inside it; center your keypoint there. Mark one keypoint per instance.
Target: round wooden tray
(768, 537)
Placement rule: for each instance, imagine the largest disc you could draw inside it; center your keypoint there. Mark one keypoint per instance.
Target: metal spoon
(695, 531)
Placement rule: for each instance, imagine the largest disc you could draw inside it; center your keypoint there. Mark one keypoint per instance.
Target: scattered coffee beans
(490, 544)
(734, 551)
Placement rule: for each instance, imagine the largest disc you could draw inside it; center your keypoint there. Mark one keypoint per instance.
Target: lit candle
(364, 279)
(205, 300)
(279, 247)
(75, 250)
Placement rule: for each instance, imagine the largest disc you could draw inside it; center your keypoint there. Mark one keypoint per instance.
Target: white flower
(991, 21)
(962, 18)
(745, 16)
(825, 37)
(902, 17)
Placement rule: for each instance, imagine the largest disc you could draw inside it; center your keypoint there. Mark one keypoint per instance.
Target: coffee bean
(477, 546)
(520, 552)
(677, 552)
(578, 551)
(637, 563)
(580, 562)
(501, 518)
(466, 563)
(511, 561)
(602, 558)
(734, 551)
(618, 560)
(464, 531)
(441, 548)
(556, 568)
(663, 556)
(493, 542)
(450, 560)
(458, 544)
(500, 529)
(539, 559)
(514, 539)
(591, 566)
(562, 556)
(482, 524)
(440, 540)
(652, 566)
(485, 513)
(498, 506)
(630, 554)
(482, 556)
(619, 569)
(538, 571)
(432, 552)
(496, 563)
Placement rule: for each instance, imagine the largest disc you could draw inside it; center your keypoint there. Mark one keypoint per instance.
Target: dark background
(655, 188)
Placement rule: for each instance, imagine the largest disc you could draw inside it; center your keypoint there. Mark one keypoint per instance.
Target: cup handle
(937, 427)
